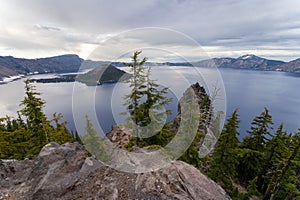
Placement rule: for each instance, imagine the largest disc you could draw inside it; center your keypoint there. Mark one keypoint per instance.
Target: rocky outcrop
(66, 172)
(204, 106)
(195, 104)
(120, 136)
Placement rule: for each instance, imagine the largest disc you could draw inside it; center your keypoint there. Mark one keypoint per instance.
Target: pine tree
(252, 187)
(249, 164)
(5, 148)
(154, 113)
(35, 118)
(94, 142)
(137, 83)
(25, 136)
(146, 101)
(224, 159)
(59, 133)
(155, 99)
(276, 150)
(259, 133)
(283, 168)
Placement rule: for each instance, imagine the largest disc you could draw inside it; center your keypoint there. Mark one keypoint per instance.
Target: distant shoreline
(68, 76)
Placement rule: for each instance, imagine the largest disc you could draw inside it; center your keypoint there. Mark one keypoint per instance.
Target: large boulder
(66, 172)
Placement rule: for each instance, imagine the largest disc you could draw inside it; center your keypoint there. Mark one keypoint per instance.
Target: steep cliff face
(66, 172)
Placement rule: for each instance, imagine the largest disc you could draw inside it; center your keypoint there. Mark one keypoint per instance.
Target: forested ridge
(265, 164)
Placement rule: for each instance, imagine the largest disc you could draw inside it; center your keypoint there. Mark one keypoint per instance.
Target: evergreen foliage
(224, 161)
(145, 104)
(94, 142)
(133, 99)
(259, 132)
(267, 164)
(283, 172)
(26, 135)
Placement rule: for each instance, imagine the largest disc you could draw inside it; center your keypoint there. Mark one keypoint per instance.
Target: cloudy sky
(41, 28)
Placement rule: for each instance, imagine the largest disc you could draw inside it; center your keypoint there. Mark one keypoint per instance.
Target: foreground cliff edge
(66, 172)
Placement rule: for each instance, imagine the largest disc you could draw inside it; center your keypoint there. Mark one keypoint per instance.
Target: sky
(220, 28)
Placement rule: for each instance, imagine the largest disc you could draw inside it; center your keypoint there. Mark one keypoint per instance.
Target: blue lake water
(249, 91)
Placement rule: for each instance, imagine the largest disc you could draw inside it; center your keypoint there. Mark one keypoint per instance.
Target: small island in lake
(97, 76)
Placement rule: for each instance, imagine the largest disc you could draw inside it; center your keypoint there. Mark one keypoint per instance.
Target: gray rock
(66, 172)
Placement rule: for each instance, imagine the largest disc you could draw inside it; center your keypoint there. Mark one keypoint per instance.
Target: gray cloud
(48, 28)
(227, 27)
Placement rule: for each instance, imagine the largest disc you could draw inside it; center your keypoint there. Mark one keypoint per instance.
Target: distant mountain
(10, 66)
(248, 61)
(249, 57)
(292, 66)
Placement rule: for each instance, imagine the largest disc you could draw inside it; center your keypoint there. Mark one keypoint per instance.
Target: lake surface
(249, 91)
